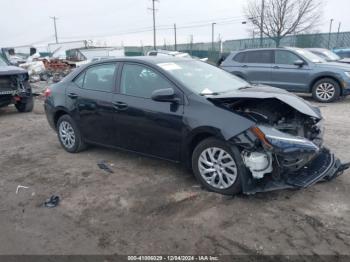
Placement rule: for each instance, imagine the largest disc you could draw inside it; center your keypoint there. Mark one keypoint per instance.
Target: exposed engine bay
(278, 115)
(281, 150)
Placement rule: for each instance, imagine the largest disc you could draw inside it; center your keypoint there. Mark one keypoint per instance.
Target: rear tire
(218, 166)
(27, 106)
(69, 135)
(326, 90)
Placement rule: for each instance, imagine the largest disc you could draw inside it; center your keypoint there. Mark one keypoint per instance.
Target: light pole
(154, 25)
(212, 36)
(54, 18)
(175, 46)
(262, 22)
(330, 31)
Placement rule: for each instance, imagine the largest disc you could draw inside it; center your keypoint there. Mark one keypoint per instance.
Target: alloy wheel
(67, 135)
(217, 168)
(325, 91)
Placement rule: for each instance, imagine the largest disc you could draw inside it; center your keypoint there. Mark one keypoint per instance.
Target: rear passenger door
(89, 97)
(257, 65)
(288, 76)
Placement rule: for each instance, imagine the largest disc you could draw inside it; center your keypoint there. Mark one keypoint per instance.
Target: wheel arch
(60, 112)
(313, 82)
(194, 139)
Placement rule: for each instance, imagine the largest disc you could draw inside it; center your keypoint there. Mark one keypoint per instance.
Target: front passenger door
(288, 76)
(144, 125)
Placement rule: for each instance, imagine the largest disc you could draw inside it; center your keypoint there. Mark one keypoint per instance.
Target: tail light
(47, 92)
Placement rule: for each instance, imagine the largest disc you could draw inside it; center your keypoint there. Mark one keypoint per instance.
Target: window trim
(117, 64)
(284, 50)
(83, 72)
(177, 90)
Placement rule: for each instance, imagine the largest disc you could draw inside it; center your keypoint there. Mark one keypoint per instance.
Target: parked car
(328, 55)
(173, 54)
(293, 69)
(342, 52)
(14, 87)
(234, 136)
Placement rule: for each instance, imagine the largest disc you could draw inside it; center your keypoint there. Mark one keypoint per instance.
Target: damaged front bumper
(324, 167)
(296, 162)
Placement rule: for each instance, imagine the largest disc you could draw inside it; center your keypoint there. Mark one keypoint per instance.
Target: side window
(100, 77)
(141, 81)
(285, 57)
(345, 54)
(79, 81)
(239, 57)
(258, 57)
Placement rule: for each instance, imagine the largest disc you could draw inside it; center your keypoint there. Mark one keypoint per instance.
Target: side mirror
(299, 63)
(164, 95)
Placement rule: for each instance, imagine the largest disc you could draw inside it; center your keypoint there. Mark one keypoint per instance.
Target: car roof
(267, 48)
(146, 59)
(317, 49)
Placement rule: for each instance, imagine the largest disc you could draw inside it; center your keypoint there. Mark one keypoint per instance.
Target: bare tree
(278, 18)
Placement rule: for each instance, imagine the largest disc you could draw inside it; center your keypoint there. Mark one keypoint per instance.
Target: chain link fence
(214, 51)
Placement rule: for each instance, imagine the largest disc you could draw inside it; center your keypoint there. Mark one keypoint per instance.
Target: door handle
(120, 105)
(276, 67)
(72, 95)
(244, 66)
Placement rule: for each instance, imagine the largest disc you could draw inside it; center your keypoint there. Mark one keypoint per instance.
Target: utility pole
(154, 25)
(330, 31)
(191, 43)
(175, 46)
(338, 34)
(262, 22)
(212, 36)
(54, 18)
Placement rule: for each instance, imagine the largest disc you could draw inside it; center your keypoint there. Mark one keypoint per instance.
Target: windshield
(326, 54)
(2, 62)
(203, 78)
(310, 56)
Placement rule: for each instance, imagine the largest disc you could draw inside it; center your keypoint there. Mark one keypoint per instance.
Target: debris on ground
(46, 69)
(53, 201)
(19, 187)
(104, 166)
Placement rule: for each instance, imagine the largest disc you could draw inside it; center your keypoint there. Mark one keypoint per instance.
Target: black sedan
(234, 136)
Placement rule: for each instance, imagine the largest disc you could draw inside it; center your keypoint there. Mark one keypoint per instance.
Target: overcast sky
(27, 21)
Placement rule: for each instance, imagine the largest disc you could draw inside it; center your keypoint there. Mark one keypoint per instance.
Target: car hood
(344, 60)
(267, 92)
(336, 65)
(11, 70)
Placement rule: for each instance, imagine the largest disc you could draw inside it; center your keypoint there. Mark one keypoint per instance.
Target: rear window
(98, 77)
(258, 57)
(239, 57)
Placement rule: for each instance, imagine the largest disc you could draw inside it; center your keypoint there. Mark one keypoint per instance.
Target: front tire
(27, 106)
(218, 166)
(69, 135)
(326, 90)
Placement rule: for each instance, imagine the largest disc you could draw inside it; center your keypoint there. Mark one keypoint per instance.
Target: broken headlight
(283, 143)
